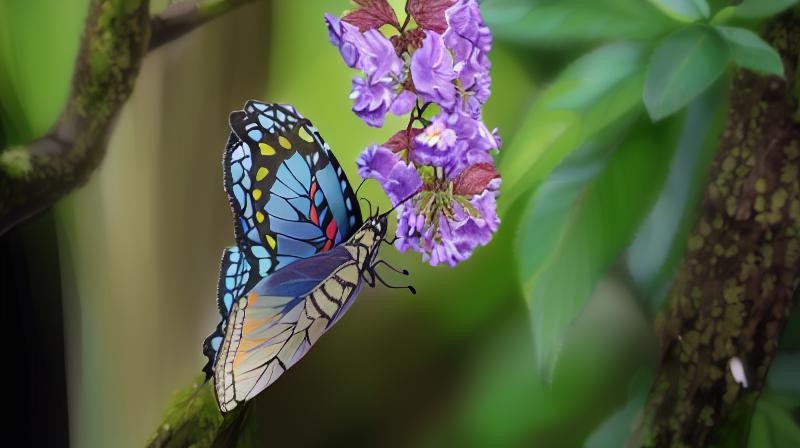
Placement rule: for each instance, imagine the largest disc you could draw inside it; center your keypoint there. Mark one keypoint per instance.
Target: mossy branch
(193, 419)
(117, 36)
(733, 293)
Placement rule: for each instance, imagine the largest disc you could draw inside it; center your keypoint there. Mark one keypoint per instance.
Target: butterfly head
(377, 226)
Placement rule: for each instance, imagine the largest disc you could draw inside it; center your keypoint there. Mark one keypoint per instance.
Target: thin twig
(183, 17)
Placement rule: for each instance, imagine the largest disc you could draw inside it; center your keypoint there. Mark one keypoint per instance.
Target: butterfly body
(302, 255)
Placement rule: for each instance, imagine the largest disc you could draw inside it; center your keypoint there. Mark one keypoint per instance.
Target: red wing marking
(330, 232)
(313, 212)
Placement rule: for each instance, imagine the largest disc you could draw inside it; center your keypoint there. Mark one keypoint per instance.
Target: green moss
(15, 162)
(191, 418)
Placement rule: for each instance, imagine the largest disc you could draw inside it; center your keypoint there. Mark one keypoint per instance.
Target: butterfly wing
(234, 276)
(290, 199)
(289, 193)
(271, 328)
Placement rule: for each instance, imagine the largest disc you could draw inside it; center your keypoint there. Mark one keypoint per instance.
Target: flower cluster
(439, 170)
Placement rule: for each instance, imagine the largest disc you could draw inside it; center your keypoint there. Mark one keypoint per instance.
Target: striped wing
(273, 326)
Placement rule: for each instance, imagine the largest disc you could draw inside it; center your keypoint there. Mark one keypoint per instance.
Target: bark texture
(33, 177)
(733, 293)
(117, 36)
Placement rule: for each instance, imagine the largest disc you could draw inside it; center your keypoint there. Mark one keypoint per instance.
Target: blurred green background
(596, 204)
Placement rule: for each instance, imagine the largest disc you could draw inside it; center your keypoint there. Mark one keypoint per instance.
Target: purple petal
(403, 103)
(398, 179)
(432, 71)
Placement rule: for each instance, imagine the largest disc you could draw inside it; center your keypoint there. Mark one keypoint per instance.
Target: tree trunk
(733, 293)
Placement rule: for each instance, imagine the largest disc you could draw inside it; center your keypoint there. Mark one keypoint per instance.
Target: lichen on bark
(117, 36)
(733, 293)
(112, 47)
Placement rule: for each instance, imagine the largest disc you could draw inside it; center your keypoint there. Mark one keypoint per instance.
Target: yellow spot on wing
(305, 135)
(259, 217)
(271, 241)
(256, 194)
(266, 149)
(262, 173)
(284, 142)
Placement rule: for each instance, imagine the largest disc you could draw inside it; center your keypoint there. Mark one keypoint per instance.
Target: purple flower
(480, 227)
(369, 52)
(377, 58)
(448, 235)
(470, 40)
(454, 141)
(345, 37)
(403, 102)
(466, 33)
(433, 145)
(398, 179)
(380, 90)
(371, 101)
(432, 71)
(445, 170)
(474, 92)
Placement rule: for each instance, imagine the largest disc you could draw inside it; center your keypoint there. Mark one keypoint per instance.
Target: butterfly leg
(370, 280)
(383, 262)
(378, 277)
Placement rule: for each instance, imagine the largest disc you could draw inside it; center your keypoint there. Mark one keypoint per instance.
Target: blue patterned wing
(234, 278)
(289, 193)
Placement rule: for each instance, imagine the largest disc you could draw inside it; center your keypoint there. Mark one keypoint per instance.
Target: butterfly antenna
(368, 203)
(401, 202)
(359, 186)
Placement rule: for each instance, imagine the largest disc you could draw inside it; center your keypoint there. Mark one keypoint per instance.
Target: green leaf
(618, 426)
(751, 52)
(572, 229)
(599, 92)
(757, 9)
(683, 10)
(661, 239)
(773, 425)
(682, 67)
(573, 21)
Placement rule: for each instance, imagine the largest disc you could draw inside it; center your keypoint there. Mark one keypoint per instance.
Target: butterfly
(302, 254)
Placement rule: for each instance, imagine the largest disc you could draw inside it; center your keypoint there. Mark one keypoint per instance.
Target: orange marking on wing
(255, 324)
(248, 344)
(251, 298)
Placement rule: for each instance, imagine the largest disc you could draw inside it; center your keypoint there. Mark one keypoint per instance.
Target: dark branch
(115, 40)
(33, 177)
(183, 17)
(733, 294)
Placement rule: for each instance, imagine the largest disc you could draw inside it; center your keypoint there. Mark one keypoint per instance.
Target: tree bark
(733, 293)
(117, 36)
